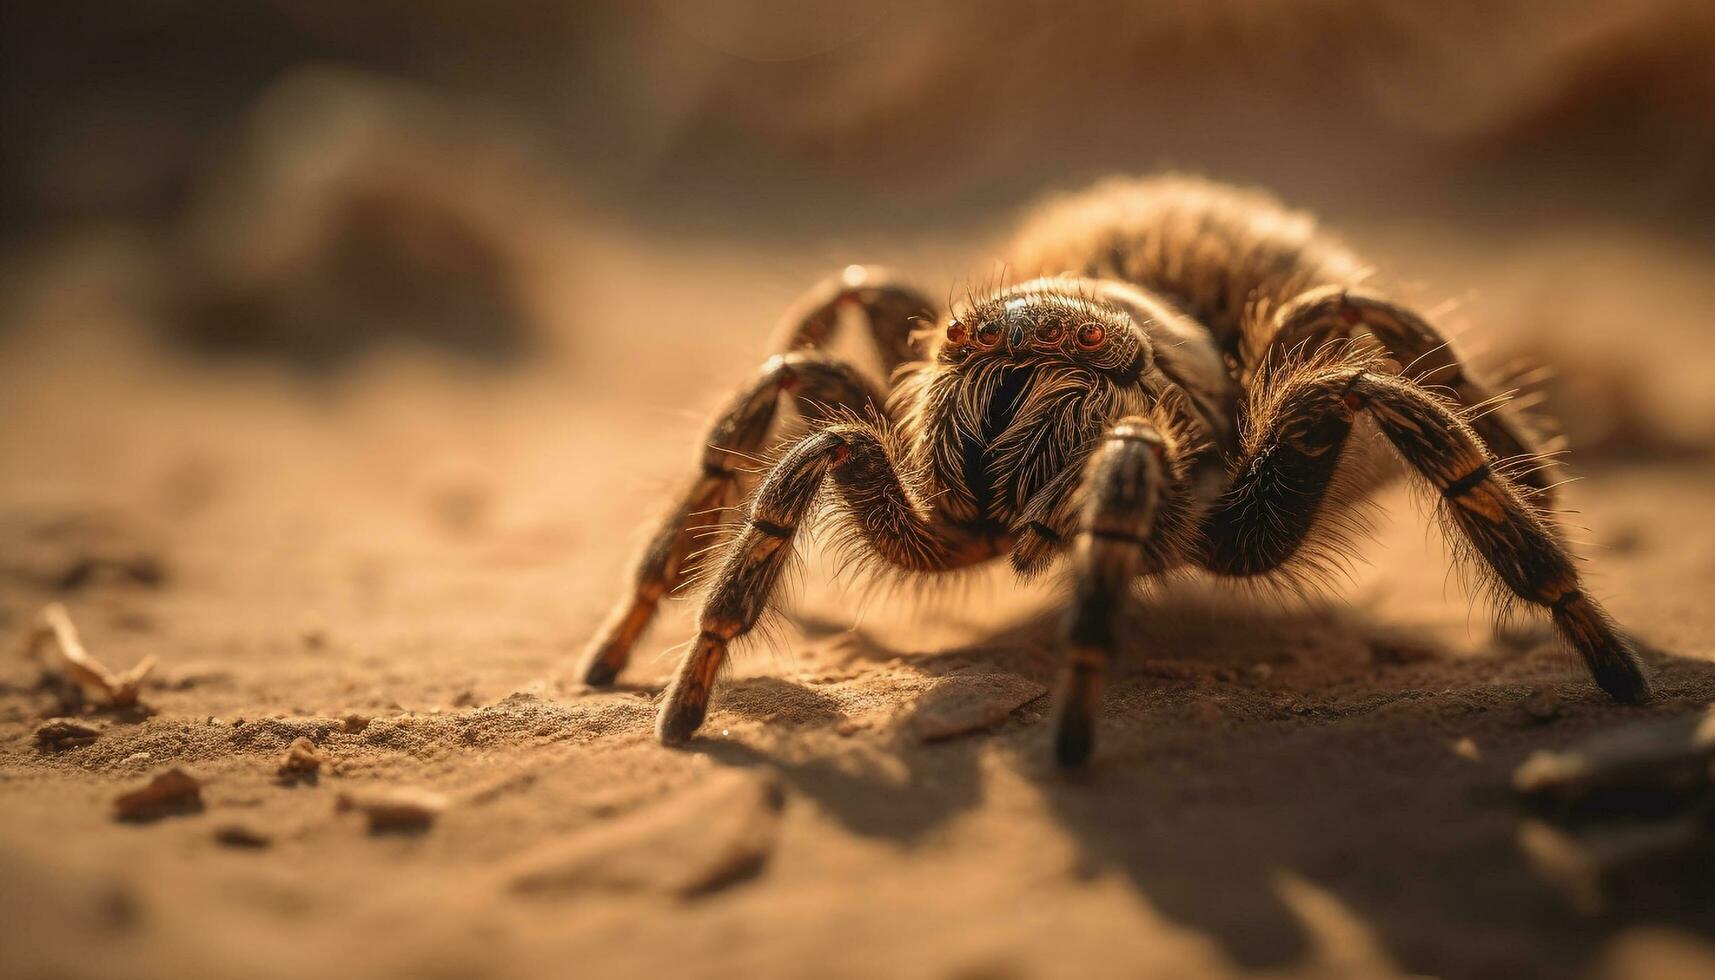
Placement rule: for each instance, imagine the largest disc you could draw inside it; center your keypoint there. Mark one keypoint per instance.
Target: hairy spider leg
(1318, 317)
(1133, 498)
(872, 502)
(1293, 448)
(821, 386)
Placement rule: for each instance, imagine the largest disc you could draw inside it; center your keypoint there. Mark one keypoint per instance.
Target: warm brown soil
(401, 562)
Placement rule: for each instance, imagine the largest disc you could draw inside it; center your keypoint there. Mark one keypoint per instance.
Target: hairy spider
(1177, 388)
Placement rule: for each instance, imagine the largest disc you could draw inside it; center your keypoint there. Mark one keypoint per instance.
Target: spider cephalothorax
(1180, 387)
(1019, 384)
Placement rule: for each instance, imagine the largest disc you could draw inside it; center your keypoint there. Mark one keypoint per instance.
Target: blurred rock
(69, 547)
(353, 210)
(1627, 810)
(1641, 769)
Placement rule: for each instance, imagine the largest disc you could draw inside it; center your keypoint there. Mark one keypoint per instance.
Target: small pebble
(1207, 713)
(398, 809)
(57, 734)
(1542, 705)
(301, 761)
(170, 792)
(238, 835)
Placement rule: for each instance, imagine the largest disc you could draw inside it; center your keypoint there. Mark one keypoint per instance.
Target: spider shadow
(1331, 760)
(893, 784)
(1244, 747)
(900, 794)
(884, 780)
(895, 787)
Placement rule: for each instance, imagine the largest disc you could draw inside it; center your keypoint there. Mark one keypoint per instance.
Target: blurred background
(307, 181)
(346, 348)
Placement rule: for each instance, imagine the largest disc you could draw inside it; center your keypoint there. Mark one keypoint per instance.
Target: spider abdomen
(1220, 253)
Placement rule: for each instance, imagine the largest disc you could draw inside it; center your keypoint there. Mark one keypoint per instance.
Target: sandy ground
(400, 562)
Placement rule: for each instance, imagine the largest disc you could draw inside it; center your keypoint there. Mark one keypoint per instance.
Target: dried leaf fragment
(400, 809)
(119, 687)
(170, 792)
(57, 734)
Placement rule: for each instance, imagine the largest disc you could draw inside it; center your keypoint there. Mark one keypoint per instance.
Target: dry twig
(119, 687)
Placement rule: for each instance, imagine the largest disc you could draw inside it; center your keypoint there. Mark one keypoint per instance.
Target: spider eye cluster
(1049, 333)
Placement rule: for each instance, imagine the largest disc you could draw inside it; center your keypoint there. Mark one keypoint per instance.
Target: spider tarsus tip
(1627, 685)
(677, 724)
(1072, 745)
(600, 673)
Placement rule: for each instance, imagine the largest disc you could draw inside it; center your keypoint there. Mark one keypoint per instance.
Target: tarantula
(1176, 386)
